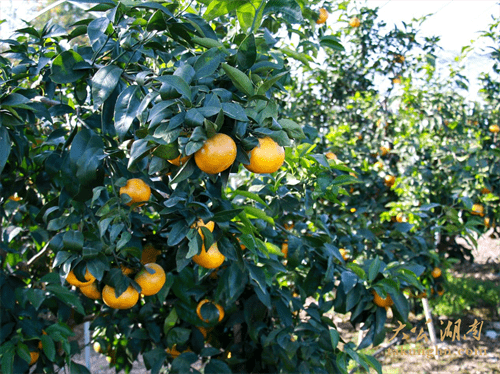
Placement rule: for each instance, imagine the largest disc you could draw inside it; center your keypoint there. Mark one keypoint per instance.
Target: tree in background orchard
(403, 145)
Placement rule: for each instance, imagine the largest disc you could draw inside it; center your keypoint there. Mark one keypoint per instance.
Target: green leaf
(73, 240)
(334, 338)
(342, 180)
(289, 9)
(226, 215)
(48, 346)
(96, 32)
(178, 232)
(4, 147)
(257, 213)
(177, 83)
(66, 296)
(293, 130)
(76, 368)
(104, 83)
(15, 100)
(349, 280)
(403, 227)
(374, 269)
(247, 52)
(215, 366)
(274, 249)
(371, 361)
(170, 321)
(63, 67)
(208, 43)
(302, 57)
(126, 108)
(331, 42)
(7, 359)
(357, 269)
(234, 111)
(208, 63)
(239, 79)
(249, 195)
(35, 296)
(268, 83)
(139, 150)
(218, 8)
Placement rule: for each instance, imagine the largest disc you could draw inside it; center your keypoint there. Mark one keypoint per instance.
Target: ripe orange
(34, 357)
(199, 224)
(354, 22)
(138, 191)
(151, 284)
(344, 254)
(396, 80)
(40, 345)
(14, 197)
(203, 331)
(149, 254)
(421, 295)
(494, 128)
(378, 165)
(331, 156)
(478, 209)
(242, 246)
(384, 150)
(323, 16)
(73, 280)
(203, 302)
(488, 223)
(217, 154)
(267, 157)
(126, 270)
(97, 347)
(125, 301)
(173, 351)
(179, 161)
(284, 249)
(399, 59)
(210, 259)
(382, 302)
(440, 290)
(389, 180)
(360, 137)
(436, 272)
(91, 291)
(485, 190)
(400, 218)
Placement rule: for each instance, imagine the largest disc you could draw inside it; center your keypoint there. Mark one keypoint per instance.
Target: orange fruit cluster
(151, 280)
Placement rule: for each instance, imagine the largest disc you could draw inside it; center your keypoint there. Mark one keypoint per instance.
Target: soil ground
(477, 356)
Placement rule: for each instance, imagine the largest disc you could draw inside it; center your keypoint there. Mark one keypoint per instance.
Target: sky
(457, 22)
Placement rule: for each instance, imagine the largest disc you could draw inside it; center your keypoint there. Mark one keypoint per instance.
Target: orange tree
(120, 201)
(424, 158)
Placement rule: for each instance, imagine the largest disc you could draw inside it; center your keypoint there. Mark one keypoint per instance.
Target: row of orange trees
(367, 176)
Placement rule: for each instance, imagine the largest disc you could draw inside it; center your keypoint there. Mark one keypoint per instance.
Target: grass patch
(466, 294)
